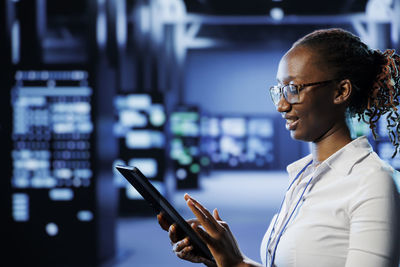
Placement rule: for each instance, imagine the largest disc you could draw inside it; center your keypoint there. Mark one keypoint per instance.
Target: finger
(192, 220)
(185, 253)
(163, 222)
(178, 246)
(216, 215)
(202, 209)
(209, 263)
(218, 218)
(186, 196)
(172, 232)
(203, 234)
(204, 216)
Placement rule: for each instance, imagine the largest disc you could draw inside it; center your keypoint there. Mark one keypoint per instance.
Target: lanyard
(286, 223)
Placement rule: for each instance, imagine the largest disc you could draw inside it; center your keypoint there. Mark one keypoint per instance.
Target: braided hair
(374, 75)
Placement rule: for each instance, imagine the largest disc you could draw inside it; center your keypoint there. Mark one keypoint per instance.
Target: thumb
(216, 215)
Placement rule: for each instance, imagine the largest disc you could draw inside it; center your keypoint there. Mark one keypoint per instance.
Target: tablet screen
(159, 203)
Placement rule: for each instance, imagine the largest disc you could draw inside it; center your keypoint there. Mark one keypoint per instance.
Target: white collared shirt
(349, 214)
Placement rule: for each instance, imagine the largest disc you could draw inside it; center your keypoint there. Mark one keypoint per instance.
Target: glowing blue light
(21, 182)
(121, 23)
(101, 26)
(83, 173)
(20, 207)
(148, 166)
(43, 182)
(181, 174)
(52, 229)
(15, 42)
(132, 118)
(234, 127)
(185, 124)
(138, 139)
(214, 127)
(30, 91)
(231, 146)
(63, 173)
(143, 139)
(61, 194)
(62, 128)
(276, 13)
(81, 107)
(261, 127)
(85, 128)
(157, 115)
(85, 215)
(138, 101)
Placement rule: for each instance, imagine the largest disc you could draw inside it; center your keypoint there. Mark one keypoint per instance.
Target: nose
(283, 105)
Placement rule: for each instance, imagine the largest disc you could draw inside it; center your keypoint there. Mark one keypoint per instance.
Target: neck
(330, 142)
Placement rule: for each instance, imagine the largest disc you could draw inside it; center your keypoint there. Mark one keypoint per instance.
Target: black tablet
(159, 203)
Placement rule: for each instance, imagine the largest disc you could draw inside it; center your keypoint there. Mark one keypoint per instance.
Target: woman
(341, 207)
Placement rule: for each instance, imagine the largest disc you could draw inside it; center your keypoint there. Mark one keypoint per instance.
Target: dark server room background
(178, 88)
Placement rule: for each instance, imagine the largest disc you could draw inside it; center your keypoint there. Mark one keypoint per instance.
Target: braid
(375, 76)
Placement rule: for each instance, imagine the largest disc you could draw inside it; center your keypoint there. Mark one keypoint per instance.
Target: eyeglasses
(290, 91)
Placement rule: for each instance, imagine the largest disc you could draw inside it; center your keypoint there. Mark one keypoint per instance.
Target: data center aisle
(246, 200)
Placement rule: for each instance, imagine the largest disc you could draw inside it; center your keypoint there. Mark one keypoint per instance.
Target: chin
(296, 135)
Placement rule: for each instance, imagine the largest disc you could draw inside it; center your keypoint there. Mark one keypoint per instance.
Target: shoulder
(372, 170)
(373, 178)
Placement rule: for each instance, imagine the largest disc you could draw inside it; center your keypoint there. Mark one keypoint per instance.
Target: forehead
(301, 64)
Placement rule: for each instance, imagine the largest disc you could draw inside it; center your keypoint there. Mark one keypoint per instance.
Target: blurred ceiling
(260, 7)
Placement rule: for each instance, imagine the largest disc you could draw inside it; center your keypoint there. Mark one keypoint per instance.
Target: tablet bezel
(157, 201)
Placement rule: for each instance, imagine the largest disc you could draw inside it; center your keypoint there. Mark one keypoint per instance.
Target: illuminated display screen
(52, 128)
(235, 127)
(140, 121)
(139, 128)
(242, 142)
(209, 126)
(185, 123)
(185, 128)
(261, 127)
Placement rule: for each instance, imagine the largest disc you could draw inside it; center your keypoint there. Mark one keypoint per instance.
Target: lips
(291, 122)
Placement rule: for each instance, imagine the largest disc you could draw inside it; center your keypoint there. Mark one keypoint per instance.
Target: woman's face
(315, 115)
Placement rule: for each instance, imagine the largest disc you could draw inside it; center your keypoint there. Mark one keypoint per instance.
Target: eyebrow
(290, 78)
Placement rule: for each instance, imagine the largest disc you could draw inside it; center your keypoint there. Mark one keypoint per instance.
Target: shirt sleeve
(374, 223)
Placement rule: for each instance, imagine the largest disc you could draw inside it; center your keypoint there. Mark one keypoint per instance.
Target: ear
(343, 92)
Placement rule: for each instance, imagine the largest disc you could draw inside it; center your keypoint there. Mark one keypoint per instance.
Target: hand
(216, 234)
(182, 246)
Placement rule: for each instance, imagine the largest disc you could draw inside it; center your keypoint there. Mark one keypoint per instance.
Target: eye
(292, 88)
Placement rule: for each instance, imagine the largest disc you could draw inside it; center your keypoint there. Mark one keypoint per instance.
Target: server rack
(139, 128)
(184, 127)
(61, 203)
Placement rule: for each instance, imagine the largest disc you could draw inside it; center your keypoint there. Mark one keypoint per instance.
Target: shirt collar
(342, 161)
